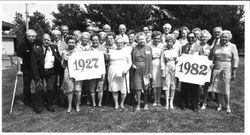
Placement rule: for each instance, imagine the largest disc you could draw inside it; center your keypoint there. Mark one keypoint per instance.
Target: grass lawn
(24, 119)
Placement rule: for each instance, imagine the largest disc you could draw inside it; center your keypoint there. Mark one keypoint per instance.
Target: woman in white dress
(156, 47)
(118, 77)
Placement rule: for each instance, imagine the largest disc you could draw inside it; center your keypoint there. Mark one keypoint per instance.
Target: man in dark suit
(190, 92)
(45, 60)
(24, 52)
(61, 45)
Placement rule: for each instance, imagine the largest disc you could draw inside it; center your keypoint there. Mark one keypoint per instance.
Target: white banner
(86, 65)
(193, 69)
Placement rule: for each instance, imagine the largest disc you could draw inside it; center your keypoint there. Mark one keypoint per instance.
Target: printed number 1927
(86, 64)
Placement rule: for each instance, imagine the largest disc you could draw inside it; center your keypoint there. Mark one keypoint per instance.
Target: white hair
(56, 32)
(227, 32)
(31, 32)
(167, 25)
(206, 33)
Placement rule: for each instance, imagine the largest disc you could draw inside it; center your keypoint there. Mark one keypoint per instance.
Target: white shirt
(124, 36)
(49, 59)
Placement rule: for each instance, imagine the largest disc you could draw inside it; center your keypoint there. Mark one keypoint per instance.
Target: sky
(9, 10)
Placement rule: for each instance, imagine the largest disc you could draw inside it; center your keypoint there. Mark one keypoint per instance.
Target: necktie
(45, 52)
(188, 48)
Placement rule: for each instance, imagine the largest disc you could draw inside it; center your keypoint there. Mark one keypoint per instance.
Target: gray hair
(206, 33)
(31, 32)
(56, 32)
(85, 33)
(170, 37)
(167, 25)
(219, 28)
(228, 32)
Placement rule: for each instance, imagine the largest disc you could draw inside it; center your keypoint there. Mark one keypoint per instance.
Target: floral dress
(168, 60)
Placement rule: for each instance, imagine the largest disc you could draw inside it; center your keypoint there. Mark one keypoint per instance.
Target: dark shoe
(183, 108)
(51, 108)
(38, 109)
(195, 110)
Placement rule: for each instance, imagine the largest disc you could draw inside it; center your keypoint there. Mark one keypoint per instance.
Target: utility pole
(27, 16)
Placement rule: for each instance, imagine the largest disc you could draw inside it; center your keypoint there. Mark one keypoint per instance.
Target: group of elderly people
(134, 61)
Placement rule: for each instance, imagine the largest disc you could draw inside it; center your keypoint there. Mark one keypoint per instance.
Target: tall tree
(39, 24)
(19, 28)
(133, 16)
(209, 16)
(71, 15)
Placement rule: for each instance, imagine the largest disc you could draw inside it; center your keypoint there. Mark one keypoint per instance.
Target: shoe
(69, 110)
(195, 110)
(183, 108)
(219, 108)
(154, 104)
(146, 107)
(166, 107)
(137, 108)
(51, 108)
(203, 107)
(38, 110)
(77, 108)
(159, 105)
(228, 110)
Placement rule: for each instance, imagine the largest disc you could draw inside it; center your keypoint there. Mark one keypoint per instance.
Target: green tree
(19, 28)
(71, 15)
(133, 16)
(207, 17)
(39, 24)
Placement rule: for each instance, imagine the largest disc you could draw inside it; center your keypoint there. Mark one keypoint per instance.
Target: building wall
(7, 46)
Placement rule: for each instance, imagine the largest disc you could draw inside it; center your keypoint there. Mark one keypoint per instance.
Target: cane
(13, 97)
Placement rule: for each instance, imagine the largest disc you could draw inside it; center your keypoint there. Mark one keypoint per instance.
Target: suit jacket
(195, 49)
(37, 61)
(148, 59)
(24, 51)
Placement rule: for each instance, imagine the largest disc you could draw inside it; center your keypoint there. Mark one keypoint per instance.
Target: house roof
(7, 25)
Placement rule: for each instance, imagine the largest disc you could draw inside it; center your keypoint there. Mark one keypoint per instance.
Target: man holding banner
(189, 90)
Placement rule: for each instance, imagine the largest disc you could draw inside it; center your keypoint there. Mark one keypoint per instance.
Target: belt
(223, 60)
(50, 69)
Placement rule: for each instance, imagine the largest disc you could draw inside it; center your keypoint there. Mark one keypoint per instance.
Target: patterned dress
(225, 58)
(120, 61)
(168, 59)
(156, 64)
(97, 85)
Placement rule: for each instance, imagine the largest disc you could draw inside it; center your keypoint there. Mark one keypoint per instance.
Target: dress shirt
(49, 59)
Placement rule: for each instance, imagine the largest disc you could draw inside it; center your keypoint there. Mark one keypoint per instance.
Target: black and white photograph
(124, 66)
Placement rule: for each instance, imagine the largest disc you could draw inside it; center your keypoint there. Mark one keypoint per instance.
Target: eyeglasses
(190, 37)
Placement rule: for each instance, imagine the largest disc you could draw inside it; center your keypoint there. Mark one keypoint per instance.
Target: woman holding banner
(118, 75)
(226, 59)
(156, 47)
(96, 85)
(205, 50)
(142, 65)
(70, 86)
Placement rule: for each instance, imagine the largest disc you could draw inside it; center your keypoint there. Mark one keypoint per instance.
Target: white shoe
(146, 107)
(154, 104)
(203, 107)
(219, 108)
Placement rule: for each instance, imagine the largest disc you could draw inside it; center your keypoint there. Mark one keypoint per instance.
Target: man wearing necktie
(45, 61)
(216, 41)
(190, 92)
